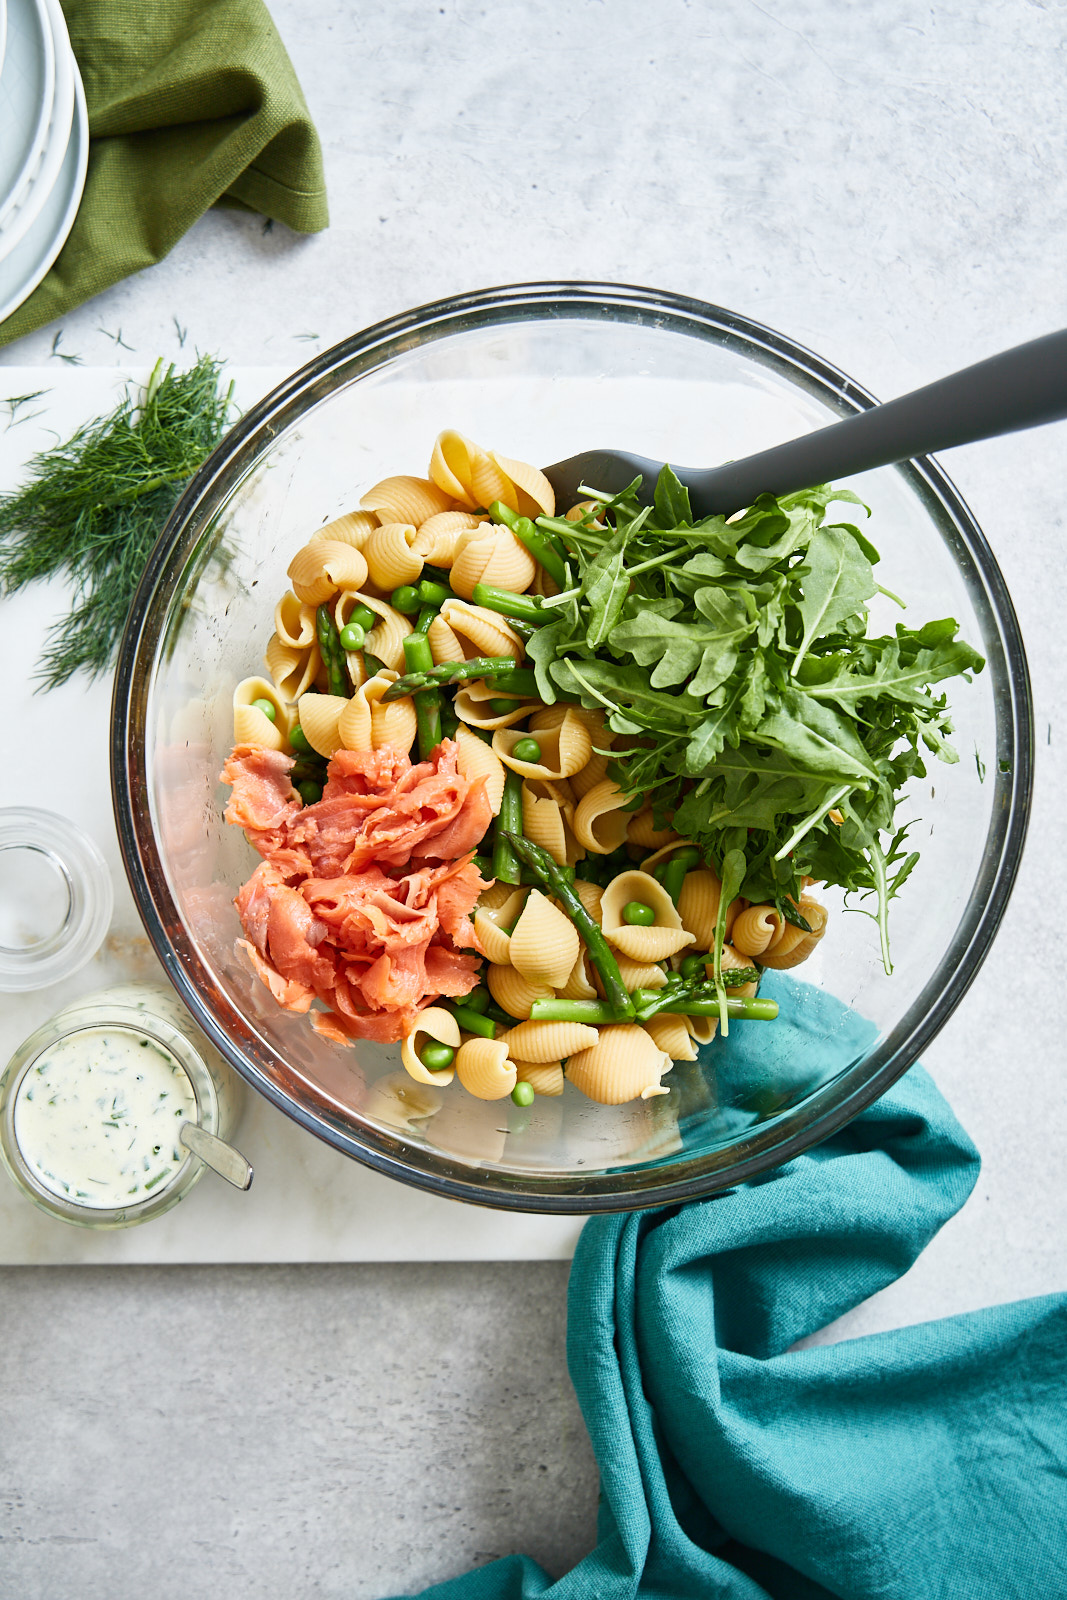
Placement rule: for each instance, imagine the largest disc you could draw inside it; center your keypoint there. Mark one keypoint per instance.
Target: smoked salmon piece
(331, 914)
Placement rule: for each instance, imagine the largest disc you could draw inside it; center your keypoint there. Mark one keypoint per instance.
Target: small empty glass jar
(92, 1106)
(55, 898)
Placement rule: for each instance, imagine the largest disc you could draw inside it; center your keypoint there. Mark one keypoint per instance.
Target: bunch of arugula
(773, 729)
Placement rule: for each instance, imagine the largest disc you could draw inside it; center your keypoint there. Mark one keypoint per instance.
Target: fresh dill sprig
(92, 508)
(72, 361)
(17, 403)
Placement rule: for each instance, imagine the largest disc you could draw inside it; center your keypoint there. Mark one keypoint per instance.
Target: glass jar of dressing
(92, 1107)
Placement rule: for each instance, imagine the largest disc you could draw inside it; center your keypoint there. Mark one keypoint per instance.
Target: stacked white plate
(44, 144)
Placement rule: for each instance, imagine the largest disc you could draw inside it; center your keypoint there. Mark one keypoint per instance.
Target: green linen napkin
(192, 103)
(925, 1464)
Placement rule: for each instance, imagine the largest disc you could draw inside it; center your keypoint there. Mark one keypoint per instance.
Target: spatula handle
(1020, 388)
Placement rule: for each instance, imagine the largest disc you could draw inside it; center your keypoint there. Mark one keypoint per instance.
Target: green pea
(267, 707)
(298, 741)
(638, 914)
(437, 1057)
(693, 965)
(363, 617)
(527, 750)
(432, 594)
(523, 1094)
(477, 1000)
(406, 599)
(353, 637)
(309, 791)
(501, 707)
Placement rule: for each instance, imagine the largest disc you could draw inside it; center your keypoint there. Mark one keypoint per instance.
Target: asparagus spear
(739, 1007)
(521, 607)
(508, 825)
(451, 672)
(600, 952)
(333, 656)
(419, 657)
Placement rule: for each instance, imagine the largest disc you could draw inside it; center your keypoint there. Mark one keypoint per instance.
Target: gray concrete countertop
(886, 186)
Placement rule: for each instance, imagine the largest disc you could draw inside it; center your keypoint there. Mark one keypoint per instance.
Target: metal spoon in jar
(217, 1154)
(1020, 388)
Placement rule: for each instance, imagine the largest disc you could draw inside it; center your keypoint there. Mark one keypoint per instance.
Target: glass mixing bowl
(539, 372)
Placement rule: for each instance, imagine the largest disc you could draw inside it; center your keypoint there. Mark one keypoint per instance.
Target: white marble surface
(883, 184)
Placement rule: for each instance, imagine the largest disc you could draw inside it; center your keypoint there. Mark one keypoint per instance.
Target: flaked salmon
(363, 900)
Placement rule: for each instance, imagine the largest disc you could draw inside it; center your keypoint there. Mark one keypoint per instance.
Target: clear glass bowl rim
(769, 1144)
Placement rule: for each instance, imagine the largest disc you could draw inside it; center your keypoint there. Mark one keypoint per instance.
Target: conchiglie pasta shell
(795, 945)
(437, 540)
(450, 467)
(640, 831)
(484, 1070)
(497, 558)
(352, 529)
(672, 1036)
(475, 760)
(391, 559)
(664, 938)
(319, 716)
(491, 920)
(564, 750)
(641, 974)
(434, 1023)
(293, 669)
(578, 985)
(600, 823)
(544, 943)
(250, 689)
(591, 774)
(698, 906)
(544, 1077)
(733, 959)
(513, 992)
(405, 499)
(625, 1064)
(294, 622)
(472, 705)
(489, 483)
(542, 822)
(481, 632)
(702, 1029)
(536, 496)
(496, 894)
(324, 566)
(444, 646)
(756, 929)
(548, 1041)
(394, 724)
(386, 638)
(252, 726)
(591, 895)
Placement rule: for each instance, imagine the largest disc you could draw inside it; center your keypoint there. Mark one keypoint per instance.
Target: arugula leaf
(542, 648)
(892, 677)
(605, 684)
(705, 652)
(837, 582)
(605, 585)
(817, 737)
(671, 503)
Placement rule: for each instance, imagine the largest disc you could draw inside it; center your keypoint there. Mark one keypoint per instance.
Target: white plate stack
(44, 144)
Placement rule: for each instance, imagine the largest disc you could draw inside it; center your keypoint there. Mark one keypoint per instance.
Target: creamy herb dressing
(97, 1117)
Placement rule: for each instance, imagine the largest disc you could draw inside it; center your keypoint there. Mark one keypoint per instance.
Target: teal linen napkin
(925, 1464)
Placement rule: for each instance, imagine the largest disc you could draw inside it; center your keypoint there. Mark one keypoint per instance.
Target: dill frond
(92, 509)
